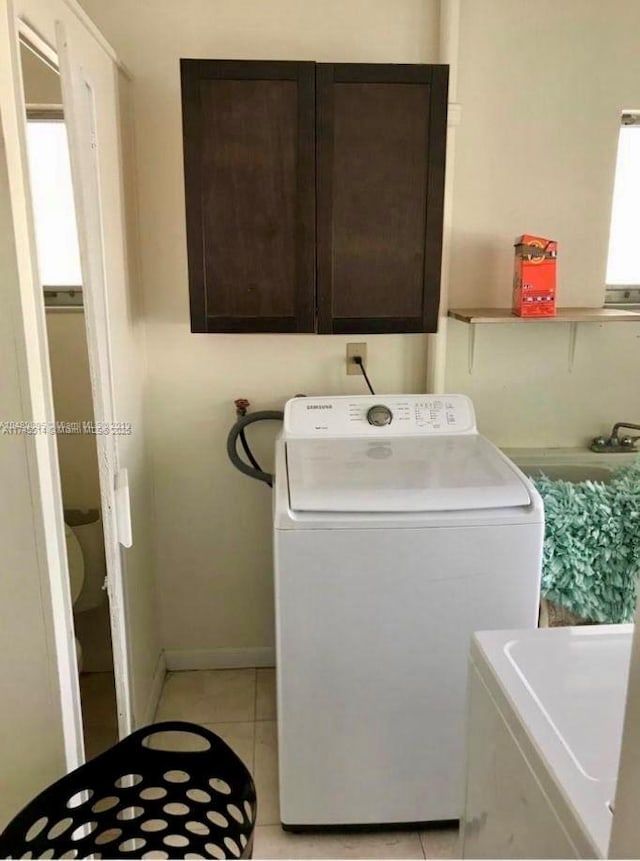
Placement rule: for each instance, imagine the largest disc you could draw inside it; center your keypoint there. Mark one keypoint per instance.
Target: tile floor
(240, 706)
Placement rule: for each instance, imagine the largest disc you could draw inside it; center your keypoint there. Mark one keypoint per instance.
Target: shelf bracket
(573, 337)
(471, 347)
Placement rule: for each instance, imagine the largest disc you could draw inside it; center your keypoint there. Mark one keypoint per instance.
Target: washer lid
(402, 474)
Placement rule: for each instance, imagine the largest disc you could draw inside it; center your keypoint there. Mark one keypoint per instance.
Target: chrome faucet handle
(629, 442)
(599, 443)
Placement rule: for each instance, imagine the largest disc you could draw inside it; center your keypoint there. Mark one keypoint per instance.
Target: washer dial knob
(379, 415)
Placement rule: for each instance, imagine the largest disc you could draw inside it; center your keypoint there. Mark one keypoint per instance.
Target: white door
(61, 33)
(81, 77)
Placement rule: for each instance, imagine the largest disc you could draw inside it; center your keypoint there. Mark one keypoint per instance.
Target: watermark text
(12, 428)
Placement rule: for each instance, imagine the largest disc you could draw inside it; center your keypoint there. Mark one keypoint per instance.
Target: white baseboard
(156, 690)
(220, 659)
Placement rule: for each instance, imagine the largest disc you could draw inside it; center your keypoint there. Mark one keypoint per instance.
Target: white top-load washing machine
(398, 531)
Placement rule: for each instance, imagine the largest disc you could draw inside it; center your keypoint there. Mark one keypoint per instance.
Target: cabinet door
(249, 160)
(381, 140)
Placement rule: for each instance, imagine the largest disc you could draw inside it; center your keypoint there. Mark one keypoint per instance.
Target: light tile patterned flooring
(240, 706)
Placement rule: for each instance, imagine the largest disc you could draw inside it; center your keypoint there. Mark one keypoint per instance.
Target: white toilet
(85, 555)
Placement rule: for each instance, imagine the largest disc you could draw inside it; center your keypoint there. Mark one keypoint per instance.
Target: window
(54, 211)
(623, 262)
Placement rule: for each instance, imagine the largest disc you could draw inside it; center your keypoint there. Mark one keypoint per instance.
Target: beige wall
(129, 362)
(541, 89)
(41, 83)
(213, 546)
(72, 402)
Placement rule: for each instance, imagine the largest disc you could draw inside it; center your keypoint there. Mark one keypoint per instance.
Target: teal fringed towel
(591, 553)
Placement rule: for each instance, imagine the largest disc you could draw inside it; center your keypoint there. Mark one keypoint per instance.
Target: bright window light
(623, 263)
(54, 212)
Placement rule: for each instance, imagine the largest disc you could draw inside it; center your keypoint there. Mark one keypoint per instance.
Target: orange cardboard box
(534, 276)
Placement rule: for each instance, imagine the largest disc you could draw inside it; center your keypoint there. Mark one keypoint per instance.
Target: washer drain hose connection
(232, 443)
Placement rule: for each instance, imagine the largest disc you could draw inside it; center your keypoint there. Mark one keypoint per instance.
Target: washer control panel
(379, 415)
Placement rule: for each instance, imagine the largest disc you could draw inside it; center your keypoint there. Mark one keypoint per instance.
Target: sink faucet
(615, 443)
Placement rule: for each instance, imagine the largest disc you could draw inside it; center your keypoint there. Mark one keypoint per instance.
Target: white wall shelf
(571, 316)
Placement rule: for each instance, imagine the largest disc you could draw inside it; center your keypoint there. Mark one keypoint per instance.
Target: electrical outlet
(356, 350)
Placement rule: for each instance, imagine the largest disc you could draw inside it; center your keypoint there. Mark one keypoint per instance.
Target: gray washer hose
(232, 441)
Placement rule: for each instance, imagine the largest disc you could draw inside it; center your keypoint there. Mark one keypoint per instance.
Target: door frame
(42, 23)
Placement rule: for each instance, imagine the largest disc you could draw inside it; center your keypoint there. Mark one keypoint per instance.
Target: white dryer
(398, 532)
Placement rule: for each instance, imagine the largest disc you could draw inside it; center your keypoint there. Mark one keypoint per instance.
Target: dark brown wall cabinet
(314, 195)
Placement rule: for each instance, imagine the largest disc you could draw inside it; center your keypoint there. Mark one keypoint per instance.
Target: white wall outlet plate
(356, 350)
